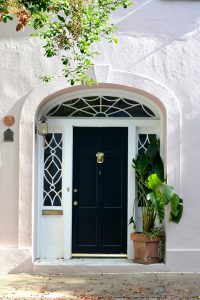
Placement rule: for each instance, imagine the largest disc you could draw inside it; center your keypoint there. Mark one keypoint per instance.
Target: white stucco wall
(159, 46)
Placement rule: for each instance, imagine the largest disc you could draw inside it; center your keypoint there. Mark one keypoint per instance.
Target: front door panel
(100, 191)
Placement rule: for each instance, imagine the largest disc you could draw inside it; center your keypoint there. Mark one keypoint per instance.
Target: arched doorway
(84, 205)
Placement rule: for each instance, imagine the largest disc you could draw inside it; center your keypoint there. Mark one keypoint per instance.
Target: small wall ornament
(8, 135)
(9, 120)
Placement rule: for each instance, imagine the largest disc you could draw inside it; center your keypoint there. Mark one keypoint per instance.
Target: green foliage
(132, 221)
(153, 191)
(156, 232)
(68, 29)
(176, 208)
(162, 194)
(46, 78)
(149, 162)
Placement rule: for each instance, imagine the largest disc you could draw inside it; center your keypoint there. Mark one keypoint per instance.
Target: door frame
(65, 126)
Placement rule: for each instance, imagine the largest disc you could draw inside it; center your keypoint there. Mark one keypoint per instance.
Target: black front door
(100, 190)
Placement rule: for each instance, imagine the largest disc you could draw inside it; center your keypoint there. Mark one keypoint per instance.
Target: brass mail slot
(53, 212)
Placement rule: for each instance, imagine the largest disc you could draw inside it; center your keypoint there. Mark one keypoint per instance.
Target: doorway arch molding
(153, 91)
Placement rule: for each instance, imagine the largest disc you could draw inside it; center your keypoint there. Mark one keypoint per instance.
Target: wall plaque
(9, 120)
(8, 135)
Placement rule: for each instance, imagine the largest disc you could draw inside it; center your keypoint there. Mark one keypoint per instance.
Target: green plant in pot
(153, 194)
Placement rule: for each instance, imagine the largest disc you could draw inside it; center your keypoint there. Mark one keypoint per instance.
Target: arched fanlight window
(101, 106)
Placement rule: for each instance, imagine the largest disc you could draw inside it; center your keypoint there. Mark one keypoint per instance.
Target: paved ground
(101, 286)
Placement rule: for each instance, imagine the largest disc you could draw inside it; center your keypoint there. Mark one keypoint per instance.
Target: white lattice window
(102, 106)
(144, 141)
(52, 186)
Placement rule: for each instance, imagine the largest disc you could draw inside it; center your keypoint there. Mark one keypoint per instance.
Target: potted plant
(153, 194)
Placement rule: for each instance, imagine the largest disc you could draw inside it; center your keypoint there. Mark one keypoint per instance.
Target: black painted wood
(100, 219)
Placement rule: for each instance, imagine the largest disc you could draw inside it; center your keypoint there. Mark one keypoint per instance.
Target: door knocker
(100, 157)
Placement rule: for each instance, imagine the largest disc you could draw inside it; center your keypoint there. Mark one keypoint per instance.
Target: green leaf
(46, 78)
(176, 208)
(166, 193)
(61, 18)
(132, 221)
(176, 218)
(156, 205)
(152, 150)
(153, 182)
(174, 204)
(140, 164)
(157, 166)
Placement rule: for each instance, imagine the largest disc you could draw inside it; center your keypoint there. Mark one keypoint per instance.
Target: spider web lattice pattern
(101, 106)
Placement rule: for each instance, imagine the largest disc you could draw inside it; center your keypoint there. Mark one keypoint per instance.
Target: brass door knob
(75, 203)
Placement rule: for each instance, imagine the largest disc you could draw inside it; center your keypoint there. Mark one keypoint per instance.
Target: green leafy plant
(68, 28)
(153, 191)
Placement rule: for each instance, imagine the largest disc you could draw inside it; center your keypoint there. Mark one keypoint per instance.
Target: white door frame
(65, 126)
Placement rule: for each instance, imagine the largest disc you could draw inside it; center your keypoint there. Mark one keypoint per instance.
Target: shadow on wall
(148, 28)
(14, 260)
(175, 18)
(26, 267)
(170, 18)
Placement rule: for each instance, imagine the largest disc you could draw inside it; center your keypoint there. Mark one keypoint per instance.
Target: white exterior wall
(158, 52)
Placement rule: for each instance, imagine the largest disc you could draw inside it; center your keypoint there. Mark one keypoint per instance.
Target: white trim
(101, 92)
(39, 189)
(119, 81)
(184, 250)
(65, 126)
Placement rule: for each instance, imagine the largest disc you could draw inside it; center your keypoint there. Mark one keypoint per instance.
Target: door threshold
(81, 255)
(93, 265)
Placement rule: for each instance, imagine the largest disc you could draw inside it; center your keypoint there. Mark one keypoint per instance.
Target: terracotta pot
(146, 249)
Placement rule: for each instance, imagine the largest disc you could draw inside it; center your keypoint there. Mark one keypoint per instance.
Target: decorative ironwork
(101, 106)
(144, 141)
(52, 193)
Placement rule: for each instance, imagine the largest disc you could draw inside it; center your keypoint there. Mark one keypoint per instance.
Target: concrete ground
(101, 286)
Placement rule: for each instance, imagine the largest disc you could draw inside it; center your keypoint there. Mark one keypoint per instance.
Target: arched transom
(102, 106)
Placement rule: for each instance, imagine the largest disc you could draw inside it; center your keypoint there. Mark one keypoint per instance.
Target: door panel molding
(100, 215)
